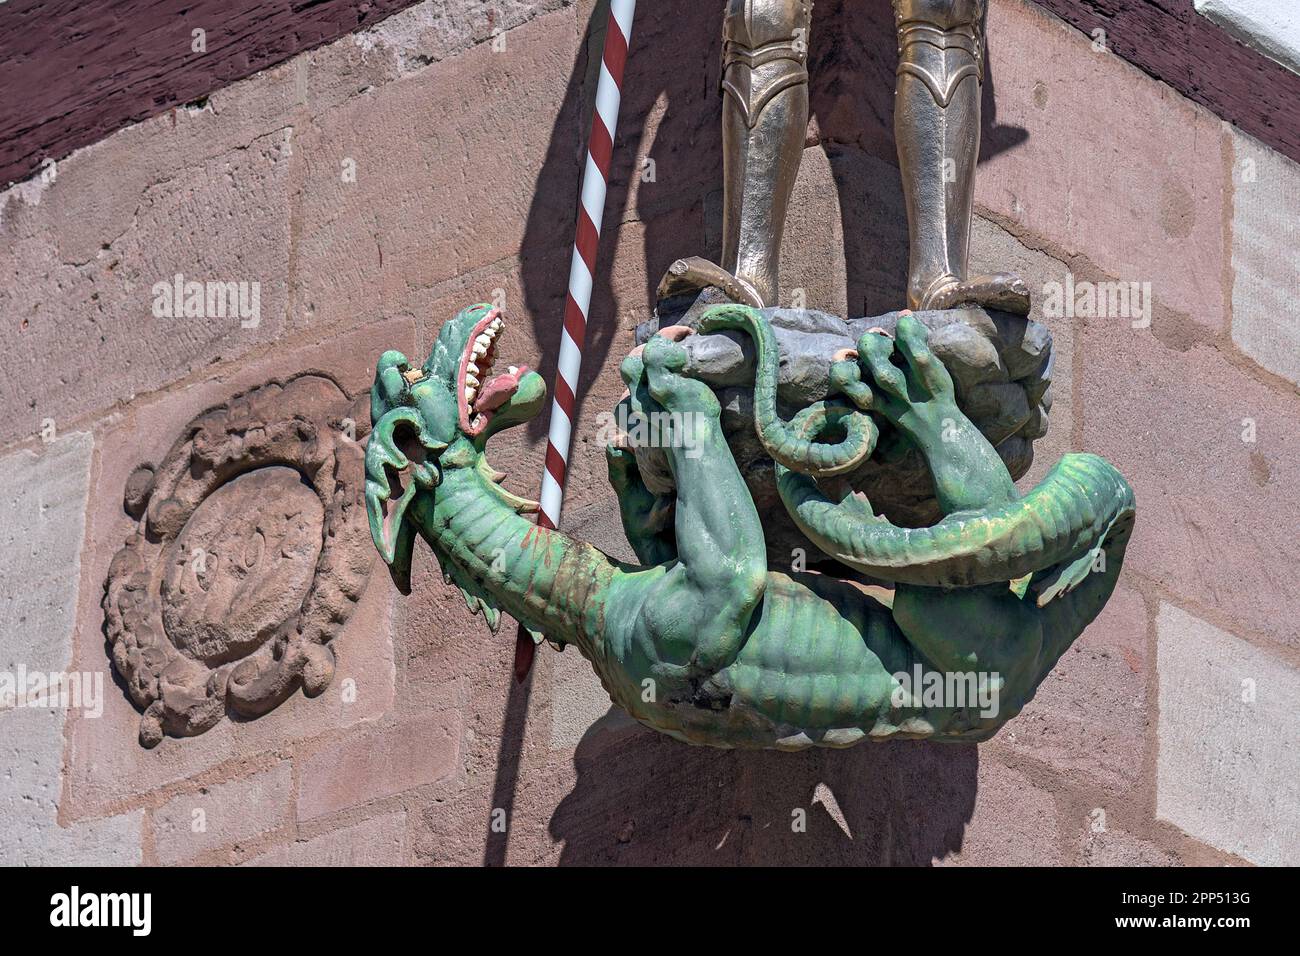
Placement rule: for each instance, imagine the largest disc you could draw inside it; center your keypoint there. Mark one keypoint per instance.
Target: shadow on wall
(671, 113)
(643, 798)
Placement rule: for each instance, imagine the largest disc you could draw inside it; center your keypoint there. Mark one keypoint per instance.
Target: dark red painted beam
(73, 71)
(1169, 40)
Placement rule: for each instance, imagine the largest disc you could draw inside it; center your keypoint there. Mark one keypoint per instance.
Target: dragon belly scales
(701, 639)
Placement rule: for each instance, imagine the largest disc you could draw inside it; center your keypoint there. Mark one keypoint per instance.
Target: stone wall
(376, 185)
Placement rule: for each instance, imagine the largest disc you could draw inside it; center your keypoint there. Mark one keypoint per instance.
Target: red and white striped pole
(600, 147)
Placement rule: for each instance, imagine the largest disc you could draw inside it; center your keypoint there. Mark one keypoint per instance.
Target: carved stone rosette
(251, 550)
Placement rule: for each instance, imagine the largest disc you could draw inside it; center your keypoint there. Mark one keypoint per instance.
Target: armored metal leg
(764, 121)
(937, 128)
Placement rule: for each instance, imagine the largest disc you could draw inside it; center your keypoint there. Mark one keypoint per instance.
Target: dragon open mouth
(480, 395)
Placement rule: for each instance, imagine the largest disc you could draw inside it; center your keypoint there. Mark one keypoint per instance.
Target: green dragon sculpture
(702, 640)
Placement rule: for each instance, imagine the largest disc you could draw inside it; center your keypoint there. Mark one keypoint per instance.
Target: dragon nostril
(408, 443)
(396, 485)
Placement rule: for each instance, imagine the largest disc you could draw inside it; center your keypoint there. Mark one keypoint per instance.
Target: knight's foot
(695, 274)
(1003, 291)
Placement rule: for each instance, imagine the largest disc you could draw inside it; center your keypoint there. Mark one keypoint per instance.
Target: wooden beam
(73, 71)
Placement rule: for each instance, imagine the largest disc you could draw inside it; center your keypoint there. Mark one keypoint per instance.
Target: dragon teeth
(479, 350)
(514, 370)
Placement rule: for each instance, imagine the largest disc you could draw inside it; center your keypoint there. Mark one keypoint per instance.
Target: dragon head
(438, 416)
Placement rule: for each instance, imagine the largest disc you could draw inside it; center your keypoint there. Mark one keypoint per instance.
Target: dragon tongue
(497, 391)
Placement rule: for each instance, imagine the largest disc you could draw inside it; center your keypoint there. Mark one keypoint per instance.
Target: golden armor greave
(764, 121)
(937, 129)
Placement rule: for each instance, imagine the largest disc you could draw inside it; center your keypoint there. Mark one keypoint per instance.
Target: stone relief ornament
(831, 546)
(250, 551)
